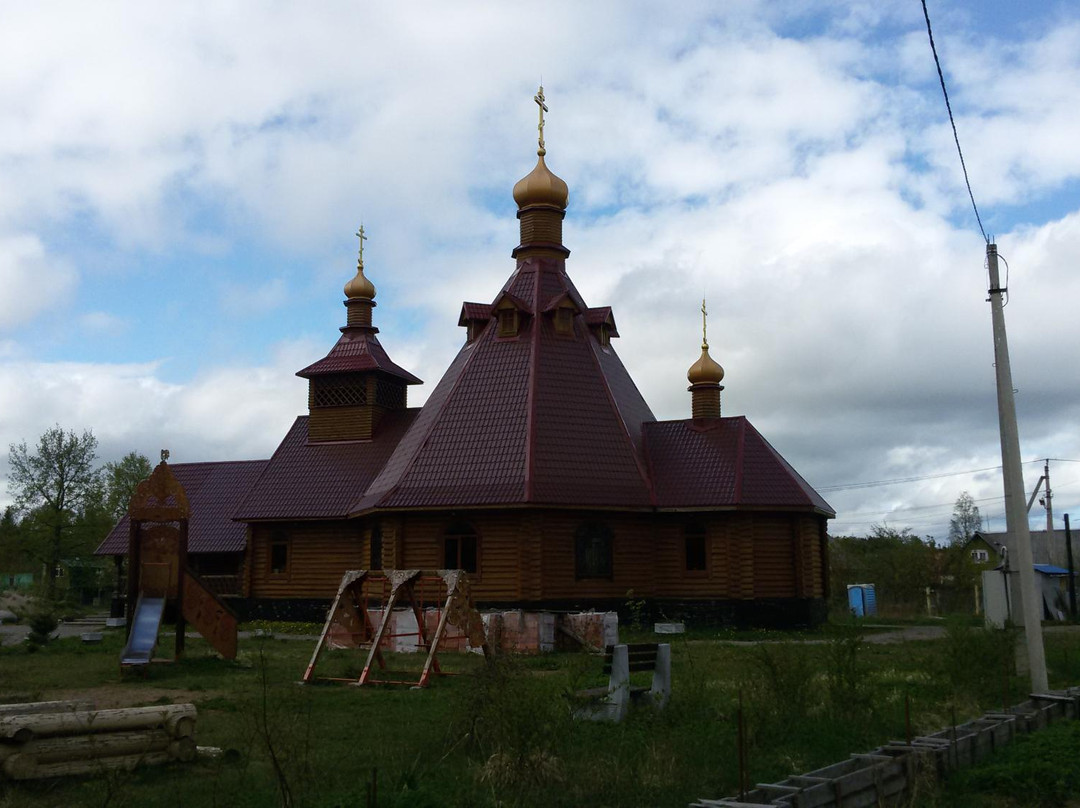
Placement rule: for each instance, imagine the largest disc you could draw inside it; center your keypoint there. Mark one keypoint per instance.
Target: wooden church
(535, 465)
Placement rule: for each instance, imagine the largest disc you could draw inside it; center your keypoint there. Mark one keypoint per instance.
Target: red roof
(320, 480)
(723, 463)
(357, 349)
(213, 491)
(540, 418)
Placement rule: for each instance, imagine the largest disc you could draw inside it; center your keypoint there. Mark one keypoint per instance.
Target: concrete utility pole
(1049, 507)
(1016, 523)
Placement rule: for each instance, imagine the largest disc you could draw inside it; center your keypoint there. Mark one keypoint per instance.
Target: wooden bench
(611, 703)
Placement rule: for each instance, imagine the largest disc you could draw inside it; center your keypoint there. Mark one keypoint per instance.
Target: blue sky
(179, 188)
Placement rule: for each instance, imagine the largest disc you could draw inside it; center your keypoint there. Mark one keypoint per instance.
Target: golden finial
(360, 235)
(360, 286)
(539, 99)
(704, 326)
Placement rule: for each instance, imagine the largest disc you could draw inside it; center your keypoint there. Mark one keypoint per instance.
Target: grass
(504, 734)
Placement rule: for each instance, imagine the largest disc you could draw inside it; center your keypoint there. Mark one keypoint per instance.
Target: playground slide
(144, 631)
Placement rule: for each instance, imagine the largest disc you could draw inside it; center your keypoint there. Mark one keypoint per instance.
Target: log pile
(52, 739)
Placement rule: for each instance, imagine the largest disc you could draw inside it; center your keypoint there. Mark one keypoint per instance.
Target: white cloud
(30, 279)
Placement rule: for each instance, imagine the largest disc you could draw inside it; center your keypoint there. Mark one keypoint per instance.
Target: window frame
(602, 540)
(456, 531)
(279, 539)
(695, 532)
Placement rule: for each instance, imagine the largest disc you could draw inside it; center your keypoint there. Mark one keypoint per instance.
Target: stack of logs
(56, 738)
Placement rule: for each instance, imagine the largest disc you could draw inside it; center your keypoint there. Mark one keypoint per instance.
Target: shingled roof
(320, 480)
(213, 491)
(723, 462)
(541, 418)
(357, 349)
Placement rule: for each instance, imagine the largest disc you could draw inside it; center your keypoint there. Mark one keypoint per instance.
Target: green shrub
(42, 624)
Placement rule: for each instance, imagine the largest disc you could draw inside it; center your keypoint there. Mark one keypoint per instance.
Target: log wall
(529, 555)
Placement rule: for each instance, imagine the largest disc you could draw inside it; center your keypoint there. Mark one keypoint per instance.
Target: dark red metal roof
(357, 349)
(722, 462)
(305, 480)
(539, 418)
(474, 311)
(213, 491)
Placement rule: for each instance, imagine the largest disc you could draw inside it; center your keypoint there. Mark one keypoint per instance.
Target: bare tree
(965, 521)
(52, 483)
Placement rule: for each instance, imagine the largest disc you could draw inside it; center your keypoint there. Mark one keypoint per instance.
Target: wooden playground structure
(158, 575)
(436, 600)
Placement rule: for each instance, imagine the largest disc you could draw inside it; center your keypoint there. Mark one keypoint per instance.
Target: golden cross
(539, 99)
(704, 325)
(363, 238)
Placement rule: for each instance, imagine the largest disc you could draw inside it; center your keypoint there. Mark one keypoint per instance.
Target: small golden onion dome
(541, 187)
(360, 286)
(706, 370)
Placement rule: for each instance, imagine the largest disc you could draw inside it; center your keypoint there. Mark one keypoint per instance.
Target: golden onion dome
(706, 370)
(541, 187)
(360, 286)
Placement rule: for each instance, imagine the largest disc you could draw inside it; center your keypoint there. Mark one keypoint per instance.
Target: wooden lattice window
(460, 548)
(338, 391)
(389, 394)
(695, 548)
(592, 551)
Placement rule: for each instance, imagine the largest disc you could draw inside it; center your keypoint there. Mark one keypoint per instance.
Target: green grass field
(504, 734)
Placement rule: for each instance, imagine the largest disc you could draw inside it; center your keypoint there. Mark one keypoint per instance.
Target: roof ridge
(485, 335)
(645, 478)
(530, 400)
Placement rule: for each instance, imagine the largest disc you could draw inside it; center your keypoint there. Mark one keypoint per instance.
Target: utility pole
(1016, 523)
(1049, 507)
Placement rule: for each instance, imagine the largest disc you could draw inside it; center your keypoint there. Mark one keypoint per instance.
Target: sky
(180, 185)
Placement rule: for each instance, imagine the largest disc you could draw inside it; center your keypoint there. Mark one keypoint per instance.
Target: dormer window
(564, 320)
(508, 322)
(603, 334)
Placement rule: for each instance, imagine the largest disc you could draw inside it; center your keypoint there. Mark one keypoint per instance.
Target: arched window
(695, 548)
(460, 547)
(592, 551)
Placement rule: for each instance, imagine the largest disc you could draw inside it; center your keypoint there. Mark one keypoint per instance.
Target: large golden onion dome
(541, 187)
(706, 370)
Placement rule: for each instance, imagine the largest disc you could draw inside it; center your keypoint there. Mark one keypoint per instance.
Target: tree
(965, 520)
(52, 484)
(120, 479)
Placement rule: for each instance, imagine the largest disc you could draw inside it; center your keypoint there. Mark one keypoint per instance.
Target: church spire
(705, 376)
(541, 199)
(360, 292)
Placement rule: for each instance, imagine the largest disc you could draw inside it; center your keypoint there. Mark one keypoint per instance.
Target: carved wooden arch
(159, 498)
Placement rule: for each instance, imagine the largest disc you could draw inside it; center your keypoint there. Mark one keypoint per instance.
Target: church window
(460, 547)
(389, 394)
(592, 551)
(338, 391)
(564, 320)
(279, 554)
(508, 322)
(376, 547)
(695, 548)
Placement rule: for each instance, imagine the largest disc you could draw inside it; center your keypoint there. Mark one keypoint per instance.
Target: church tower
(353, 386)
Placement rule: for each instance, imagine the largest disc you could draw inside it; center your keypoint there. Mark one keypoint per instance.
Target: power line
(956, 137)
(895, 481)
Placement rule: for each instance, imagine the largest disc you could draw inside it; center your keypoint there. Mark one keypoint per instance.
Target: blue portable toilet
(861, 600)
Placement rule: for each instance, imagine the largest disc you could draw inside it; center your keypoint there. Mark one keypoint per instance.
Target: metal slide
(144, 631)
